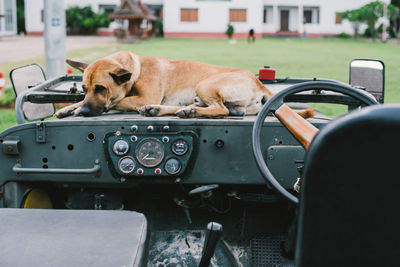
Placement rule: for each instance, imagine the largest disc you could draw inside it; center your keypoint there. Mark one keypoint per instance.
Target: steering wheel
(302, 130)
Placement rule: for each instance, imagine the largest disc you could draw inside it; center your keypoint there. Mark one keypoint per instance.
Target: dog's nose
(85, 110)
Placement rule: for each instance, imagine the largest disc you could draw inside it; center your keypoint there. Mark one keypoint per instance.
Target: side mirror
(369, 74)
(24, 78)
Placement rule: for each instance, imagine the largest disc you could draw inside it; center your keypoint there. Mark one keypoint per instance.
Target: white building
(34, 11)
(209, 18)
(8, 17)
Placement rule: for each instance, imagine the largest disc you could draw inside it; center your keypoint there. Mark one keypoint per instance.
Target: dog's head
(105, 82)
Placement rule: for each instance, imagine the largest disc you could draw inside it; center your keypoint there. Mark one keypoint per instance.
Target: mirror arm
(21, 99)
(19, 113)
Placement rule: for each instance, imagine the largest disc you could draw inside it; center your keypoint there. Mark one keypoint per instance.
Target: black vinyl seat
(349, 203)
(60, 238)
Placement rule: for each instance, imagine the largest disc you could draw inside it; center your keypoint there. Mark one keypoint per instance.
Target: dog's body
(157, 86)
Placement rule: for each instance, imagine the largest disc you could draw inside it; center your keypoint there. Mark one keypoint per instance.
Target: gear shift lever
(213, 235)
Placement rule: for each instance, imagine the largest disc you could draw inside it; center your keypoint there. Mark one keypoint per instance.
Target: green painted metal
(68, 150)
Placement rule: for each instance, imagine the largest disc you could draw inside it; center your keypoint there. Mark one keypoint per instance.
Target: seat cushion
(30, 237)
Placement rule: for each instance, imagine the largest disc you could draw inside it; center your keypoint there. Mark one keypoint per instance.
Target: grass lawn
(291, 57)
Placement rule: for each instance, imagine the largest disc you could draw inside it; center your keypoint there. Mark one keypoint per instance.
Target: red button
(266, 73)
(157, 171)
(140, 171)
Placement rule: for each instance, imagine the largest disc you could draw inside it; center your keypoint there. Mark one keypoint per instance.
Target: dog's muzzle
(87, 110)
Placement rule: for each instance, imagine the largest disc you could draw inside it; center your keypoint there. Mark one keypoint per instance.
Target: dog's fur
(156, 86)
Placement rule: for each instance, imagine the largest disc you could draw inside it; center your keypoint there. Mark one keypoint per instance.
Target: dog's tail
(305, 113)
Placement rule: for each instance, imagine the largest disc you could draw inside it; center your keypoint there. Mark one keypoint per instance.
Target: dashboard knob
(150, 128)
(134, 128)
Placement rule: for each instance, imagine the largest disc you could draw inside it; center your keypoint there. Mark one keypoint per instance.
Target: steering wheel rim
(276, 102)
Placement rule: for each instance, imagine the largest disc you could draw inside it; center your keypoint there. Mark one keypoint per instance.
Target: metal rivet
(219, 143)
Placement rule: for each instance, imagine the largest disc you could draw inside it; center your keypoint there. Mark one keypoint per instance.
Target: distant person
(251, 36)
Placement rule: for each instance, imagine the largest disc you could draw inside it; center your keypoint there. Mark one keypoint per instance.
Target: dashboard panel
(150, 154)
(121, 149)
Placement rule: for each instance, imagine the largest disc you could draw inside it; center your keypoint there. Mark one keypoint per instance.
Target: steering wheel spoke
(302, 130)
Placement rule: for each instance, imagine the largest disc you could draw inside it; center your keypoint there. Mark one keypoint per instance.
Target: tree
(20, 16)
(394, 18)
(84, 20)
(354, 17)
(369, 14)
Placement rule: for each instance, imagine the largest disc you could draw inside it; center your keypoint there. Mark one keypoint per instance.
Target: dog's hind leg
(209, 104)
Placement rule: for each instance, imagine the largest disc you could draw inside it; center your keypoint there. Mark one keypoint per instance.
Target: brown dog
(157, 86)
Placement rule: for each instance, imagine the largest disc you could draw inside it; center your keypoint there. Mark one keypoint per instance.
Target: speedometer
(150, 152)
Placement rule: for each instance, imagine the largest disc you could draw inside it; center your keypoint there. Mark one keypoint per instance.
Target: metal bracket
(40, 132)
(11, 147)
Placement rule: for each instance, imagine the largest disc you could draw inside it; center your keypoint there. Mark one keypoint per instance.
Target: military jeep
(274, 189)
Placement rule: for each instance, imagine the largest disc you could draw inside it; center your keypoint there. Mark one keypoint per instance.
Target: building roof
(133, 9)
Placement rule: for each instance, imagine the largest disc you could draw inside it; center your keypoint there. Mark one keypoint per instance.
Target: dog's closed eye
(99, 89)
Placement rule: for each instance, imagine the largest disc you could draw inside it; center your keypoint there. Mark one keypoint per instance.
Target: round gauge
(126, 165)
(150, 152)
(180, 147)
(172, 166)
(120, 147)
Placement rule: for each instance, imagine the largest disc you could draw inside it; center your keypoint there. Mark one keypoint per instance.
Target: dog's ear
(77, 65)
(121, 76)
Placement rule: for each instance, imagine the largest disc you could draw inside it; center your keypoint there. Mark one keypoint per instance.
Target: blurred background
(298, 38)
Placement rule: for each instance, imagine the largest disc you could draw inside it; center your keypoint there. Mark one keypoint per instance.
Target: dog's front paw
(65, 112)
(186, 113)
(149, 110)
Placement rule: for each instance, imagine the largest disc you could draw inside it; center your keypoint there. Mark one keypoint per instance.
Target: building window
(311, 15)
(267, 15)
(107, 8)
(189, 14)
(237, 15)
(307, 16)
(338, 19)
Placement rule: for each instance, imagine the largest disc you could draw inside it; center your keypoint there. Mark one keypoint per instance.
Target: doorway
(285, 20)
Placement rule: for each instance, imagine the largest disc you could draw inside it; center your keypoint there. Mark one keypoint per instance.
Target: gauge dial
(126, 165)
(172, 166)
(120, 147)
(150, 152)
(180, 147)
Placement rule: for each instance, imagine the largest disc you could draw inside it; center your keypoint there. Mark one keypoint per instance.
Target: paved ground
(19, 48)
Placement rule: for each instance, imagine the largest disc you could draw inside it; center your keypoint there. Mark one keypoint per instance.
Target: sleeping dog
(156, 86)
